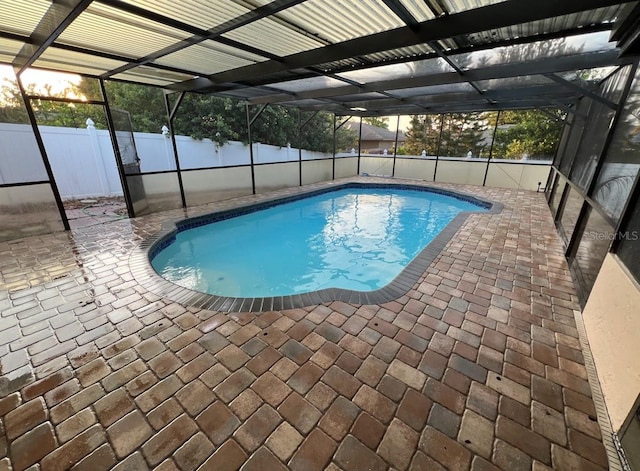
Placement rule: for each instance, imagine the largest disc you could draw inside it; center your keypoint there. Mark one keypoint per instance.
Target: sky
(58, 81)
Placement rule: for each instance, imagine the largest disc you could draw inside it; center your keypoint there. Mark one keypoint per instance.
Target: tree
(47, 112)
(12, 109)
(461, 133)
(145, 104)
(423, 134)
(529, 133)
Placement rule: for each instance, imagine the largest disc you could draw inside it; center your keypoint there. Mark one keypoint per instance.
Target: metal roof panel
(104, 28)
(201, 13)
(456, 6)
(398, 71)
(418, 9)
(313, 83)
(9, 49)
(340, 20)
(149, 75)
(584, 43)
(71, 61)
(22, 16)
(209, 57)
(550, 25)
(272, 36)
(432, 90)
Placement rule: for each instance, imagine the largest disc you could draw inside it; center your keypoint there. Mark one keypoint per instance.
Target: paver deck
(477, 367)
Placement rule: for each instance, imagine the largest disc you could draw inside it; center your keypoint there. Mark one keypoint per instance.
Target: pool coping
(144, 273)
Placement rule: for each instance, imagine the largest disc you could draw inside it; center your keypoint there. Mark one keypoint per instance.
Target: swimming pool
(355, 238)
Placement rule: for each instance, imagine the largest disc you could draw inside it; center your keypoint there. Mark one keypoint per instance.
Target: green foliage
(145, 104)
(461, 133)
(12, 109)
(423, 134)
(48, 113)
(523, 132)
(530, 133)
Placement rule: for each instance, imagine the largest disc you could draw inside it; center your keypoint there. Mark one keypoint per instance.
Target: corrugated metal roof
(72, 61)
(359, 97)
(513, 82)
(313, 83)
(401, 53)
(144, 74)
(103, 28)
(340, 65)
(204, 14)
(106, 26)
(583, 43)
(21, 16)
(455, 6)
(432, 90)
(305, 103)
(419, 9)
(246, 93)
(209, 57)
(9, 49)
(271, 36)
(398, 71)
(341, 20)
(550, 25)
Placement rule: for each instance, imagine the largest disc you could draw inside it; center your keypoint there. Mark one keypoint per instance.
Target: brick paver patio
(477, 367)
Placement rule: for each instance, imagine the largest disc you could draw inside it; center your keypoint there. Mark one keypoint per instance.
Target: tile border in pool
(145, 275)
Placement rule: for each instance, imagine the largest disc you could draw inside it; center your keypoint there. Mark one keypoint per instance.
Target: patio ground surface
(478, 367)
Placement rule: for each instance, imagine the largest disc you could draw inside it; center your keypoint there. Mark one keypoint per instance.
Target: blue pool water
(356, 238)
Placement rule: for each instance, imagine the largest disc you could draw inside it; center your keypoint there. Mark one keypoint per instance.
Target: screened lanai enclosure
(184, 103)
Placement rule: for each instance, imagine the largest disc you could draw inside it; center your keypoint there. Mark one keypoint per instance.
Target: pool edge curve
(145, 274)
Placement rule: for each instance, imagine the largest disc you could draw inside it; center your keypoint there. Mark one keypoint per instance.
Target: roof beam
(438, 50)
(56, 19)
(199, 35)
(477, 106)
(262, 81)
(582, 90)
(401, 12)
(542, 66)
(543, 93)
(499, 15)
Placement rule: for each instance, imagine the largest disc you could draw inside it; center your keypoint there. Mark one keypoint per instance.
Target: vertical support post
(43, 154)
(435, 169)
(171, 114)
(300, 146)
(359, 145)
(395, 149)
(116, 151)
(493, 139)
(253, 175)
(333, 160)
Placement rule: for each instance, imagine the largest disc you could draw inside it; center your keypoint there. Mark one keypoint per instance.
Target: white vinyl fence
(84, 165)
